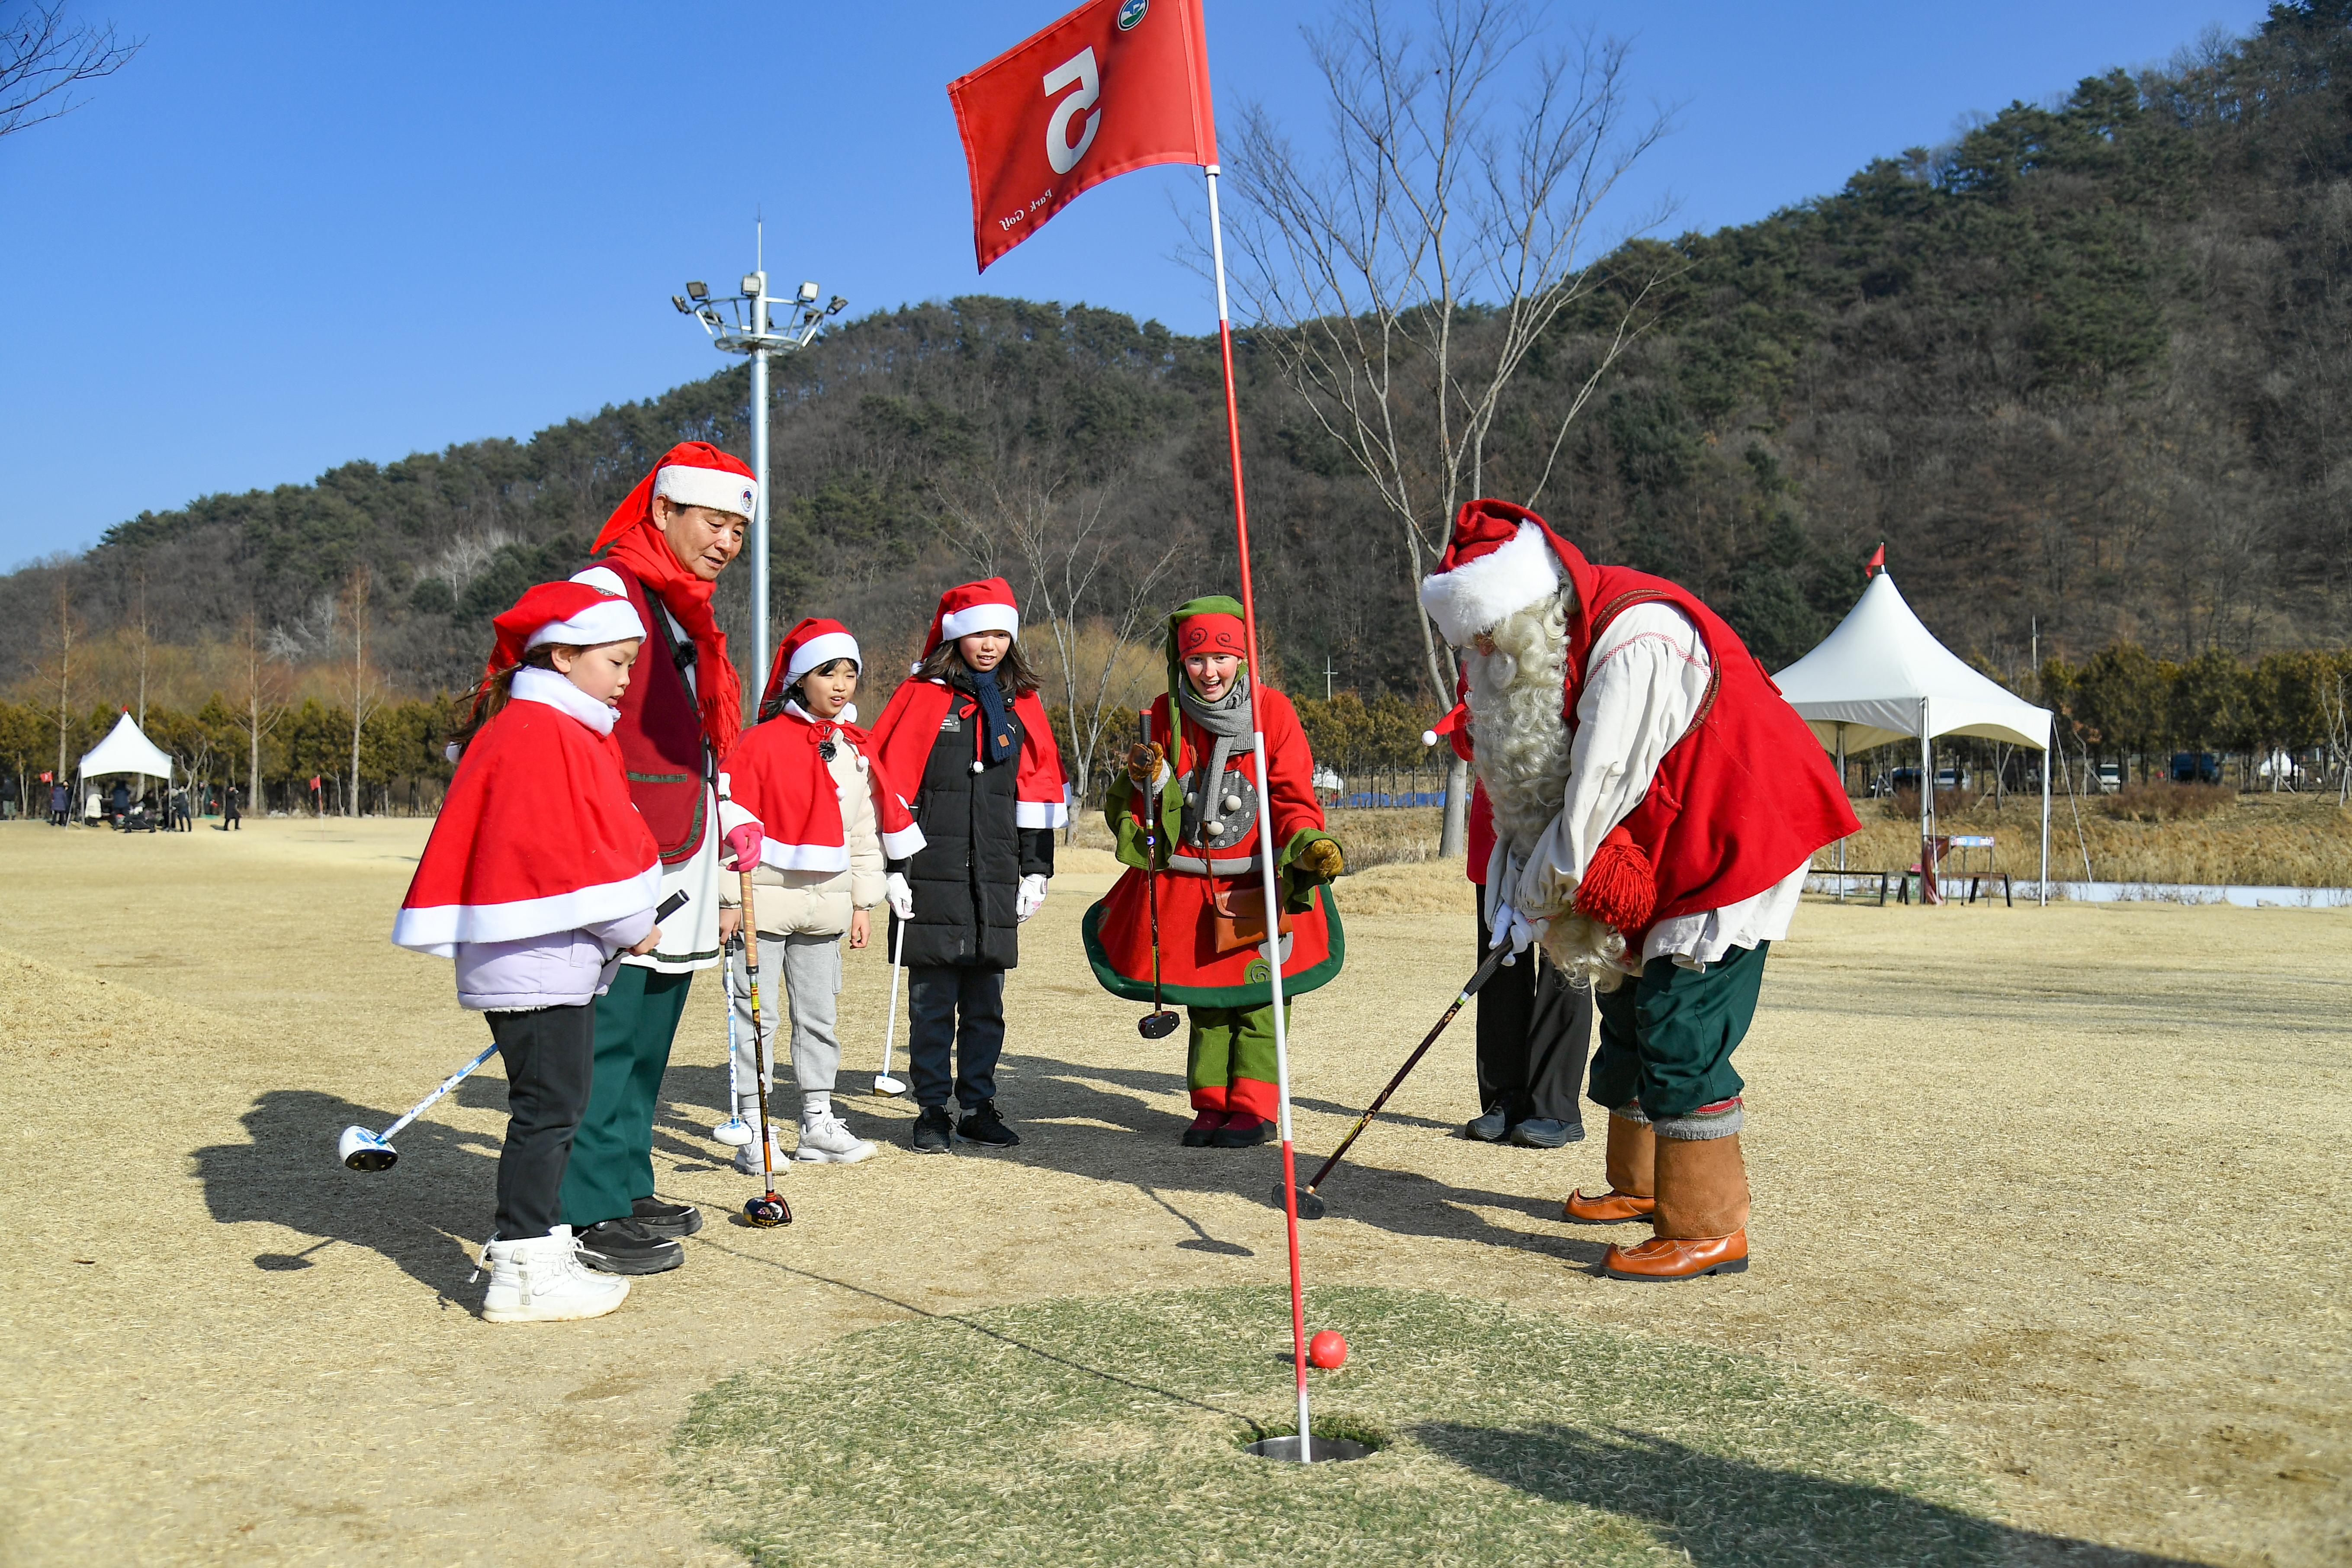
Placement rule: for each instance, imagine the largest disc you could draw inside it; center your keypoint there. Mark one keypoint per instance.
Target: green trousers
(612, 1153)
(1229, 1060)
(1667, 1035)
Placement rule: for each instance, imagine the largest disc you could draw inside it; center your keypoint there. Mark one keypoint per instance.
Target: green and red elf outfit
(1209, 882)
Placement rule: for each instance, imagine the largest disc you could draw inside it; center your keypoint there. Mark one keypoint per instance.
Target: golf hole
(1336, 1438)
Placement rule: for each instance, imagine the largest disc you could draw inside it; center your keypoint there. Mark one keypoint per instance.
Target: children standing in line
(968, 733)
(832, 821)
(538, 877)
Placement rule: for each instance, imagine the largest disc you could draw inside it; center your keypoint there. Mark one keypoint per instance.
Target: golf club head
(885, 1085)
(1157, 1026)
(734, 1132)
(767, 1211)
(361, 1150)
(1310, 1204)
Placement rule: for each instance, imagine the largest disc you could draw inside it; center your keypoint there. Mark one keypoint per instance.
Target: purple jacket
(561, 969)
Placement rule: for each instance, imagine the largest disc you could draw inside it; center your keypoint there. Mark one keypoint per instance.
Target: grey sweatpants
(800, 977)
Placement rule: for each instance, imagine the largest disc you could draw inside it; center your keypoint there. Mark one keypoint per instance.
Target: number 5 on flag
(1125, 85)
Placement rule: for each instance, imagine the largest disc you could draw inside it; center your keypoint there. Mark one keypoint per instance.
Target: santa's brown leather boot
(1701, 1215)
(1632, 1180)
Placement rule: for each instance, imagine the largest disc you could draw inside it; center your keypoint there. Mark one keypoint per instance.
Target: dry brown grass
(2168, 802)
(2261, 840)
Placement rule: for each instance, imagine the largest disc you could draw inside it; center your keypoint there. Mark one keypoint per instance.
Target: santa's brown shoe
(1677, 1257)
(1608, 1208)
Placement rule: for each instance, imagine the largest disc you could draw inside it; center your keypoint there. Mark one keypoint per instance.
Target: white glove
(1510, 926)
(1030, 898)
(899, 896)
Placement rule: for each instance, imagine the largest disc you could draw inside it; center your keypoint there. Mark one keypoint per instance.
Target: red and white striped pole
(1265, 833)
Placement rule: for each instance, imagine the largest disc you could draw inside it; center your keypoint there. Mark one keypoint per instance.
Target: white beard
(1520, 732)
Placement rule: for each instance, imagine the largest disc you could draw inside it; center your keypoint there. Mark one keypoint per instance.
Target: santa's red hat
(579, 613)
(692, 473)
(972, 607)
(812, 642)
(1500, 560)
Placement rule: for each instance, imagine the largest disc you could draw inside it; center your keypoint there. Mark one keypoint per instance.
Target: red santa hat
(1500, 561)
(579, 613)
(969, 607)
(809, 645)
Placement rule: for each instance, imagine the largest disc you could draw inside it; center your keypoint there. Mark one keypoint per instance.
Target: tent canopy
(1884, 677)
(125, 750)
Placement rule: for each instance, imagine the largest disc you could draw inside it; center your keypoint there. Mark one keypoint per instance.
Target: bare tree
(143, 639)
(44, 56)
(1409, 276)
(261, 697)
(1080, 573)
(55, 673)
(2336, 714)
(367, 689)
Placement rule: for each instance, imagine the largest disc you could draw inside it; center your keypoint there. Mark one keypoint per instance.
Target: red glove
(743, 844)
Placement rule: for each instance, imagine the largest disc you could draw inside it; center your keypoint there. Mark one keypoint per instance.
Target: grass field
(2047, 1218)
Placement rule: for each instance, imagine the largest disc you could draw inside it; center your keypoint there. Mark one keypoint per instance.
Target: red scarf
(777, 773)
(909, 728)
(635, 542)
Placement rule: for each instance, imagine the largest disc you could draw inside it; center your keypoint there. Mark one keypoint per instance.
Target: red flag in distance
(1877, 562)
(1115, 85)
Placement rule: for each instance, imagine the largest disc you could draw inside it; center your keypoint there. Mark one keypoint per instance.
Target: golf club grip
(670, 906)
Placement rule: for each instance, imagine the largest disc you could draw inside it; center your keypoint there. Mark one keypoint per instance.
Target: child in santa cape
(968, 739)
(1203, 857)
(539, 874)
(832, 822)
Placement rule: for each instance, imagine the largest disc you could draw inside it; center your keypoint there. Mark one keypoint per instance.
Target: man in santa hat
(1656, 805)
(663, 548)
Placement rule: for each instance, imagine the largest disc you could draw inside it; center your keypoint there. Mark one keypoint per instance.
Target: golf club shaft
(890, 1024)
(452, 1082)
(1485, 973)
(1151, 865)
(759, 1037)
(726, 984)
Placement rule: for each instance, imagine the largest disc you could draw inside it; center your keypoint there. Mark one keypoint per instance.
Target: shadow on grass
(1724, 1512)
(286, 1173)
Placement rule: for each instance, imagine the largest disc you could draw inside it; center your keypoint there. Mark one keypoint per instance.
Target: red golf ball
(1328, 1350)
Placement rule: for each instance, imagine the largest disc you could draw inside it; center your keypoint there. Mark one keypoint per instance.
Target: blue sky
(287, 235)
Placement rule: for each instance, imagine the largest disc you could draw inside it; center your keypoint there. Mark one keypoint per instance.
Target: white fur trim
(803, 857)
(1040, 814)
(904, 844)
(714, 488)
(1477, 595)
(1429, 737)
(603, 578)
(545, 685)
(437, 929)
(822, 649)
(980, 618)
(611, 620)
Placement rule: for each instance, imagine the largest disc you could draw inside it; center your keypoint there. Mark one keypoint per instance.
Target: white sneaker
(735, 1132)
(828, 1140)
(747, 1158)
(540, 1281)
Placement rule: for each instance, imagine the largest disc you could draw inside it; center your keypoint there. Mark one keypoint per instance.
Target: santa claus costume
(968, 738)
(679, 716)
(1203, 866)
(1656, 805)
(830, 822)
(539, 874)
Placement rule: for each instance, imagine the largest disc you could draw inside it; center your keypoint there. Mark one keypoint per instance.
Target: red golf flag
(1115, 85)
(1877, 562)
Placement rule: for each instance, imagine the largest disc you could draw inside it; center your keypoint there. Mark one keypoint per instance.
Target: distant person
(181, 822)
(9, 799)
(230, 819)
(118, 802)
(60, 806)
(538, 832)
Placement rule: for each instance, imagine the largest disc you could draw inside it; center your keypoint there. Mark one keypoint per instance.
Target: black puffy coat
(974, 854)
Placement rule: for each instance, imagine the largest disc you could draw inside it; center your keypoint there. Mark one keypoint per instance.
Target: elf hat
(1500, 561)
(973, 608)
(812, 643)
(579, 613)
(692, 473)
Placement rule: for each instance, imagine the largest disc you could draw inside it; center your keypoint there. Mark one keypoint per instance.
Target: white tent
(125, 750)
(1882, 676)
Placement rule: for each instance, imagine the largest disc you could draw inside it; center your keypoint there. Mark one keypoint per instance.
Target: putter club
(885, 1085)
(767, 1210)
(1310, 1202)
(734, 1132)
(1161, 1021)
(361, 1150)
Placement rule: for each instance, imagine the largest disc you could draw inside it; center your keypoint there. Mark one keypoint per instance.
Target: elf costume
(679, 717)
(1654, 826)
(1209, 882)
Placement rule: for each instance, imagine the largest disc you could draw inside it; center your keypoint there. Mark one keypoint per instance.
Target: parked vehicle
(2196, 767)
(2110, 778)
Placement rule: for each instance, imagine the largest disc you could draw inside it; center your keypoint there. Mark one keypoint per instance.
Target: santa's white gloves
(1510, 926)
(899, 896)
(1031, 897)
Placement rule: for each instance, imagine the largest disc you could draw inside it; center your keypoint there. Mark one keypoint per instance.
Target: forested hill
(2090, 366)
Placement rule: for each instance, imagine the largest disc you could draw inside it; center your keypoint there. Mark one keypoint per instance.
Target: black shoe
(624, 1246)
(1242, 1131)
(1489, 1126)
(981, 1124)
(932, 1129)
(659, 1219)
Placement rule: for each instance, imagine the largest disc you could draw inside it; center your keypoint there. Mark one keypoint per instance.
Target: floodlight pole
(756, 332)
